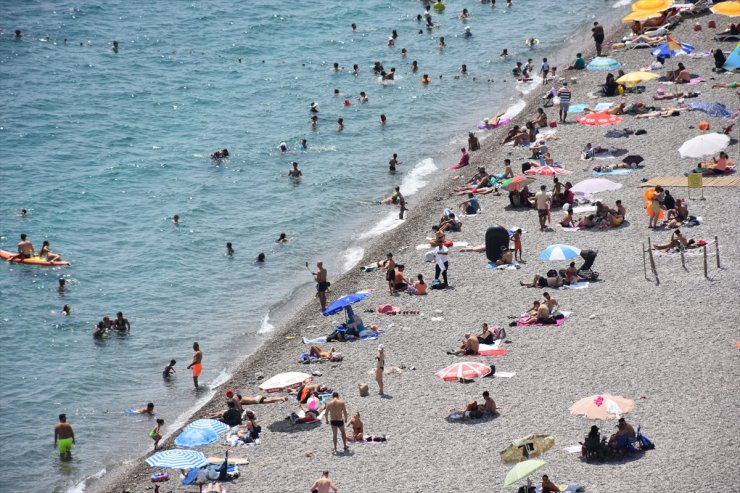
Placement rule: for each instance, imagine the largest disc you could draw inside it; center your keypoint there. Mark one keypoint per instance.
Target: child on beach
(156, 433)
(169, 370)
(517, 237)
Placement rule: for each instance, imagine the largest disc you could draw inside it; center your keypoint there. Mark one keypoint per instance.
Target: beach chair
(624, 445)
(688, 10)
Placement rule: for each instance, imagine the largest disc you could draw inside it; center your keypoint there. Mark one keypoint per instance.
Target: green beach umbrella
(522, 470)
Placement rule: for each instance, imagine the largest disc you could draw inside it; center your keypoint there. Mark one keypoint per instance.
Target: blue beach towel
(577, 108)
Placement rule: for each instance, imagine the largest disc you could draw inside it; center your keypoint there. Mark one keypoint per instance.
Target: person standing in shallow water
(196, 366)
(64, 437)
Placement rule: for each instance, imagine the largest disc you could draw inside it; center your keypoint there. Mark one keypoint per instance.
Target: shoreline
(295, 320)
(284, 323)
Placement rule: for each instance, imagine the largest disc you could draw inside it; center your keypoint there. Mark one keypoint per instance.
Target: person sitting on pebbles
(469, 347)
(507, 257)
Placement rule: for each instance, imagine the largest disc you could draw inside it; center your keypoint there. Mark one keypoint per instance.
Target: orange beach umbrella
(602, 406)
(652, 4)
(730, 9)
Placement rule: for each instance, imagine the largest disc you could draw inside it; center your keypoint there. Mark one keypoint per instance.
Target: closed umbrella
(602, 406)
(196, 437)
(595, 185)
(523, 470)
(560, 252)
(729, 9)
(652, 4)
(285, 381)
(463, 371)
(178, 459)
(716, 110)
(704, 145)
(599, 119)
(636, 77)
(516, 183)
(547, 171)
(603, 63)
(641, 15)
(345, 301)
(530, 446)
(207, 424)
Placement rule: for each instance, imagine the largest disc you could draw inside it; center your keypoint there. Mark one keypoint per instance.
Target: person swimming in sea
(66, 310)
(466, 33)
(283, 147)
(304, 145)
(314, 107)
(169, 370)
(229, 249)
(314, 121)
(383, 120)
(504, 54)
(114, 47)
(295, 172)
(260, 258)
(340, 124)
(219, 155)
(176, 220)
(363, 97)
(336, 68)
(282, 239)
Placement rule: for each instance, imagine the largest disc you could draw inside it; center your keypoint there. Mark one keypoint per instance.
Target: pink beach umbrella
(599, 119)
(602, 406)
(466, 371)
(547, 171)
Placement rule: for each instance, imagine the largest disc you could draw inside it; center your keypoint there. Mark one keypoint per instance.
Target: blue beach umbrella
(603, 63)
(560, 252)
(716, 110)
(733, 61)
(178, 459)
(345, 301)
(207, 424)
(195, 437)
(672, 49)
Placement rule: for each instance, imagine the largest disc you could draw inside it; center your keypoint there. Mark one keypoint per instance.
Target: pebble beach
(670, 346)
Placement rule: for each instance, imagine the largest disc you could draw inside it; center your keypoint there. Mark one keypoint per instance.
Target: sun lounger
(727, 37)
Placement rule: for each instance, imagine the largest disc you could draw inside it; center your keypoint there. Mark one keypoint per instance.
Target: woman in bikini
(379, 368)
(48, 254)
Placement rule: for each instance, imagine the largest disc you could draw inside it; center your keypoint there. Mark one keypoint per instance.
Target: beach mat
(576, 285)
(504, 374)
(232, 460)
(558, 323)
(683, 181)
(615, 172)
(490, 352)
(513, 266)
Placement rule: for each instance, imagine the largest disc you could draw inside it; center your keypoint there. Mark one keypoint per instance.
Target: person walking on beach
(401, 204)
(441, 263)
(390, 272)
(156, 433)
(379, 368)
(321, 284)
(564, 95)
(543, 205)
(323, 484)
(196, 366)
(336, 415)
(598, 35)
(64, 438)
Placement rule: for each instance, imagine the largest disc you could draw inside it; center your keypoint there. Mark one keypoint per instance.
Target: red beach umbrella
(599, 119)
(547, 171)
(467, 371)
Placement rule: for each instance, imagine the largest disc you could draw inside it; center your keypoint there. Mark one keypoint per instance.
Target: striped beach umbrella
(729, 9)
(463, 371)
(547, 171)
(178, 459)
(603, 63)
(599, 119)
(560, 252)
(207, 424)
(672, 48)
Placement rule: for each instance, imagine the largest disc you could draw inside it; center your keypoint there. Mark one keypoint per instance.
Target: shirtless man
(488, 406)
(64, 437)
(469, 347)
(295, 172)
(25, 249)
(541, 314)
(196, 365)
(551, 302)
(336, 415)
(507, 257)
(323, 484)
(321, 284)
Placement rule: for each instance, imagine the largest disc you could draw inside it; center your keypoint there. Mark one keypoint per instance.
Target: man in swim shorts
(323, 484)
(196, 365)
(25, 249)
(336, 415)
(321, 284)
(64, 437)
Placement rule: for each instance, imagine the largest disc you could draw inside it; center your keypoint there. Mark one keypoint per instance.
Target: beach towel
(513, 266)
(603, 106)
(570, 230)
(456, 244)
(370, 335)
(577, 108)
(504, 374)
(576, 285)
(573, 449)
(616, 172)
(490, 350)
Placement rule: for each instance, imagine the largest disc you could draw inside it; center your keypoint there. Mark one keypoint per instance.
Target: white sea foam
(266, 327)
(352, 257)
(414, 181)
(80, 487)
(515, 109)
(388, 223)
(621, 3)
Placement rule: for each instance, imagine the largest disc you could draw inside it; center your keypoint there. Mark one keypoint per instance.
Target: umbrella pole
(716, 247)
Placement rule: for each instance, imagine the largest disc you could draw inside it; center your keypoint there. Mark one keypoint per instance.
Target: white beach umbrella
(704, 145)
(285, 381)
(595, 185)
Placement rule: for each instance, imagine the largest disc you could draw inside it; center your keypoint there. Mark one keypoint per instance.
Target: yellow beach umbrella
(652, 4)
(636, 77)
(730, 9)
(641, 15)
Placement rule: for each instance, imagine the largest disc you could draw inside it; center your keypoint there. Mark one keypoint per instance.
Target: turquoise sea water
(104, 148)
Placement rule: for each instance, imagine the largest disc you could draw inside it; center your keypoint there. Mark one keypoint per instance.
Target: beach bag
(436, 284)
(552, 273)
(364, 390)
(645, 443)
(703, 126)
